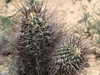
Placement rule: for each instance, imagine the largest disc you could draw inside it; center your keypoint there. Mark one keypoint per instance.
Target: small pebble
(72, 12)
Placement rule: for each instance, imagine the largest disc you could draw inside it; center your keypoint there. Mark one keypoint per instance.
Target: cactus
(37, 37)
(34, 39)
(41, 46)
(68, 58)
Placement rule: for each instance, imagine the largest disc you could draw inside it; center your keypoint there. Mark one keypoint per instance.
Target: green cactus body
(67, 59)
(34, 43)
(66, 55)
(70, 54)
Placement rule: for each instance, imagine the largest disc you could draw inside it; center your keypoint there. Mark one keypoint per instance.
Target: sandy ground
(74, 16)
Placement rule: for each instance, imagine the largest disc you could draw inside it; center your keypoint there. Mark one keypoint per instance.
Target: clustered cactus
(38, 50)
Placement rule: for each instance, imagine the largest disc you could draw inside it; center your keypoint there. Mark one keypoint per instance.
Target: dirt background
(74, 16)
